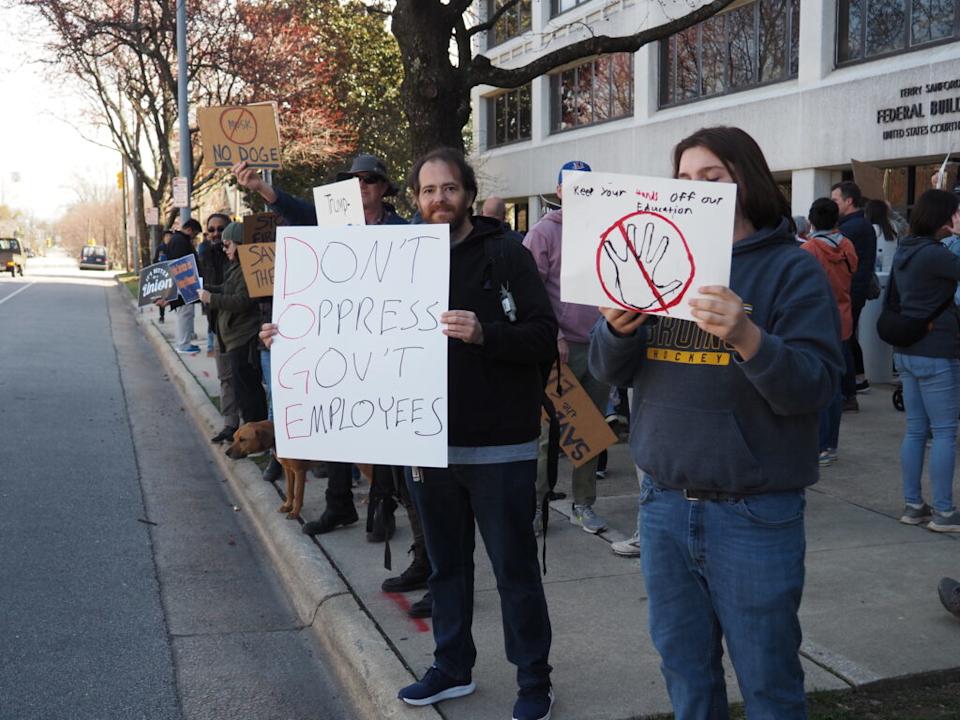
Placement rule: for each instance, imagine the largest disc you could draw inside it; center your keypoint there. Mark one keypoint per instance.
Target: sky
(40, 147)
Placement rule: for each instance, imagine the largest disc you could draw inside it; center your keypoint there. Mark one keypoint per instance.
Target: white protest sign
(339, 203)
(644, 243)
(359, 363)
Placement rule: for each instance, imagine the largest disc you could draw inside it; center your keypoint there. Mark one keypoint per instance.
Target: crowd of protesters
(726, 448)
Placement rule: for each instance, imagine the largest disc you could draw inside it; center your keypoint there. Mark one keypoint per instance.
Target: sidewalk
(870, 609)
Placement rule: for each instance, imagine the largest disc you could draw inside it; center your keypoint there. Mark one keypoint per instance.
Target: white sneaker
(585, 517)
(627, 548)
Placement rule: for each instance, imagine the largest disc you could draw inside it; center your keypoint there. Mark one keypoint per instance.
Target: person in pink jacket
(573, 341)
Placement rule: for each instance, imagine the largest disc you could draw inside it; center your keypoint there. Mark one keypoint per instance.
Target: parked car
(12, 257)
(94, 257)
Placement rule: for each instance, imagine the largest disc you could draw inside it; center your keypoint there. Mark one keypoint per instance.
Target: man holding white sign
(375, 185)
(501, 330)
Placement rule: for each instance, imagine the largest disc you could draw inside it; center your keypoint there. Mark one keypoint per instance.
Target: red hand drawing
(644, 263)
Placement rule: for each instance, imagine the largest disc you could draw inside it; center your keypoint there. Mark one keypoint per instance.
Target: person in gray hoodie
(926, 273)
(725, 430)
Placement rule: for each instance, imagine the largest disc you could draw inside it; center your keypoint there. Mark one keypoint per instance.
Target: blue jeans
(930, 387)
(265, 369)
(500, 499)
(726, 569)
(830, 423)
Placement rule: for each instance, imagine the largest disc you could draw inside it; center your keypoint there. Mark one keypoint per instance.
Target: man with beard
(501, 330)
(213, 266)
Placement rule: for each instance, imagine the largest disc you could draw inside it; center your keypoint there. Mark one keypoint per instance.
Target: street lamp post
(186, 159)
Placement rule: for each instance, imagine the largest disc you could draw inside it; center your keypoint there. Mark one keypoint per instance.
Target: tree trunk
(142, 248)
(436, 99)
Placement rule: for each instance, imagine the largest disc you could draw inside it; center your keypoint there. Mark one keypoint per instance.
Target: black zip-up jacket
(495, 389)
(864, 238)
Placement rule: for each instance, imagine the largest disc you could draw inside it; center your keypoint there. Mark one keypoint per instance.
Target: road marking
(16, 292)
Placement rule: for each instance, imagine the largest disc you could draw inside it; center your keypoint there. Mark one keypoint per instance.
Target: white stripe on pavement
(16, 292)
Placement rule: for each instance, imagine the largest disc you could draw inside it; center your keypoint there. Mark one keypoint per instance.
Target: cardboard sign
(584, 433)
(156, 283)
(360, 359)
(870, 180)
(186, 277)
(644, 244)
(339, 204)
(256, 261)
(239, 133)
(259, 228)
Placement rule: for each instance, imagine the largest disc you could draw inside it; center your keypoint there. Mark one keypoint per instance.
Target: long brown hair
(758, 196)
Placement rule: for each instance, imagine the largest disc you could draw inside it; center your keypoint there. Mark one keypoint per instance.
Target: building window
(513, 22)
(873, 28)
(754, 44)
(508, 117)
(593, 92)
(561, 6)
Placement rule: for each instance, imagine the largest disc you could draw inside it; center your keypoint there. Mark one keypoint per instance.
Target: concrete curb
(367, 667)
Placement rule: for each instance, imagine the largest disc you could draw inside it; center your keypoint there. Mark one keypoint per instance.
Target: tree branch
(492, 20)
(483, 72)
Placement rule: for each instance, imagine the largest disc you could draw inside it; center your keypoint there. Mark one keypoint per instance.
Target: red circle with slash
(244, 124)
(618, 226)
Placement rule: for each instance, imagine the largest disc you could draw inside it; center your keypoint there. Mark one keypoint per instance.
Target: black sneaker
(330, 520)
(533, 703)
(422, 608)
(949, 590)
(224, 435)
(863, 387)
(413, 578)
(434, 687)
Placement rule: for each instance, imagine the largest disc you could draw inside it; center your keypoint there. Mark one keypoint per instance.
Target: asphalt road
(130, 587)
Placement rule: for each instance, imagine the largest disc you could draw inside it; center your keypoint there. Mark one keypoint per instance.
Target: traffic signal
(120, 180)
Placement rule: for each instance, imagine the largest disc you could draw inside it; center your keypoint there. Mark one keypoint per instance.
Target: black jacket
(213, 270)
(495, 389)
(926, 274)
(864, 238)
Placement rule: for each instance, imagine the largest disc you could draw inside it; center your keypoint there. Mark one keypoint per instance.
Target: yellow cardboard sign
(237, 133)
(584, 433)
(256, 261)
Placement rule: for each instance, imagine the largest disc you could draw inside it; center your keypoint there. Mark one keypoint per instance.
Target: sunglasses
(217, 229)
(369, 179)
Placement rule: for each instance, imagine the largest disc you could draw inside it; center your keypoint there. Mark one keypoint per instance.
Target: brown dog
(256, 437)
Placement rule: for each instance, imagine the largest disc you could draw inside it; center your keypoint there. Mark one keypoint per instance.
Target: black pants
(245, 366)
(855, 357)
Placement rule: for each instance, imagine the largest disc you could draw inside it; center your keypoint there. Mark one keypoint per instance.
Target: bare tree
(437, 82)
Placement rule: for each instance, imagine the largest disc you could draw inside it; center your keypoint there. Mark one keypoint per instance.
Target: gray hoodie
(703, 419)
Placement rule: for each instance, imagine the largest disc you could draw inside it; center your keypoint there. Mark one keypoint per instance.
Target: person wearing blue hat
(573, 342)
